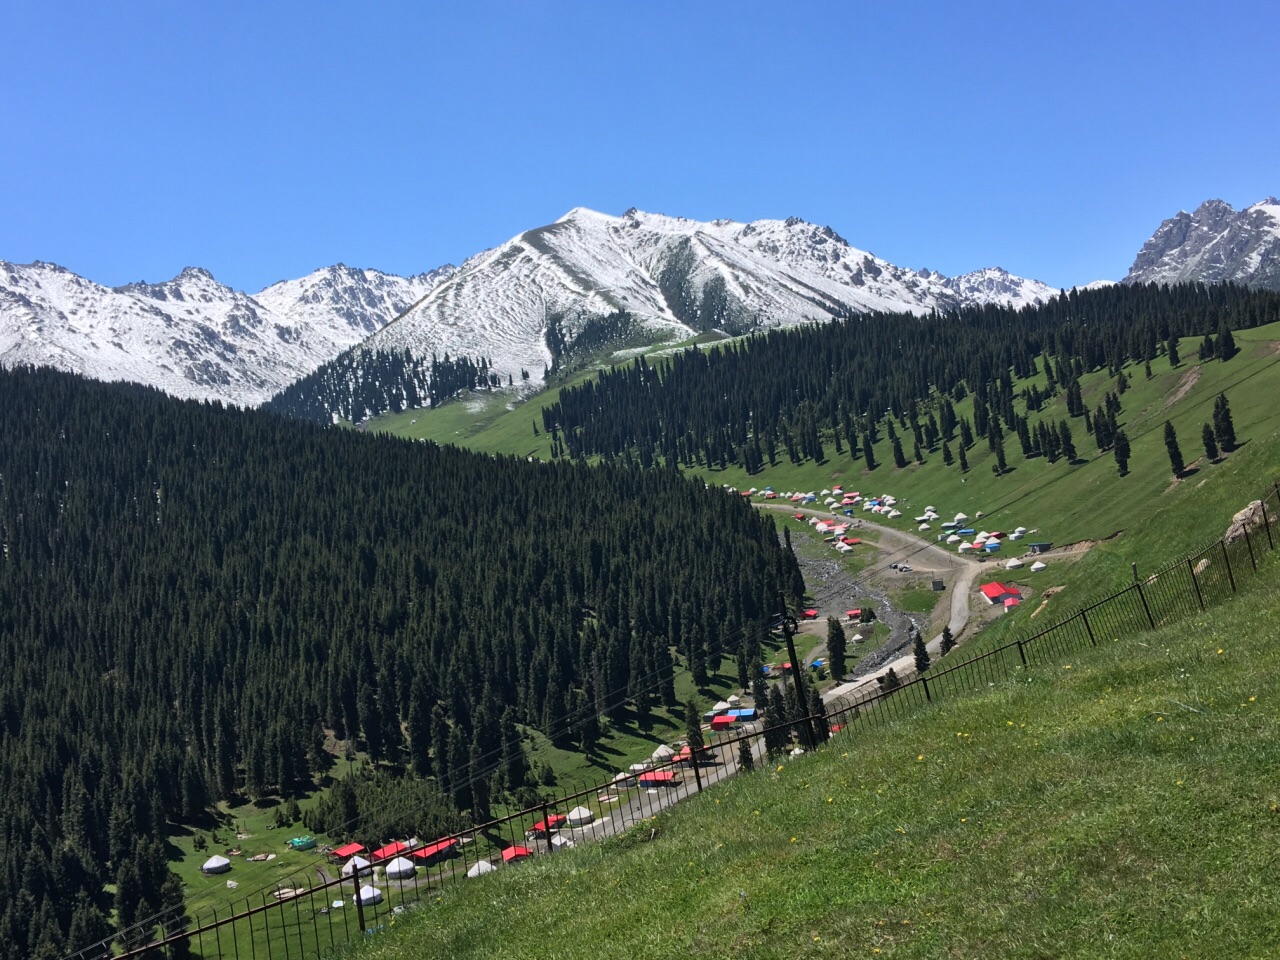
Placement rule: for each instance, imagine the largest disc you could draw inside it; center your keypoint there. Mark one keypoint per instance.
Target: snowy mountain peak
(1214, 244)
(194, 336)
(523, 302)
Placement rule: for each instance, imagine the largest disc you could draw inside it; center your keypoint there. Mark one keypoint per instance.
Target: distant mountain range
(193, 336)
(523, 304)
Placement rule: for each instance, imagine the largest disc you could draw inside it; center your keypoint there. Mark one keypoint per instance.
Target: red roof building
(811, 614)
(722, 723)
(348, 850)
(393, 849)
(1000, 592)
(516, 852)
(440, 850)
(554, 821)
(658, 778)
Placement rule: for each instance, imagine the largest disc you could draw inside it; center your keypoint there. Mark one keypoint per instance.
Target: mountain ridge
(1214, 244)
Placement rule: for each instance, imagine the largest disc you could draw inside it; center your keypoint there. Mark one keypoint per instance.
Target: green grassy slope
(1119, 804)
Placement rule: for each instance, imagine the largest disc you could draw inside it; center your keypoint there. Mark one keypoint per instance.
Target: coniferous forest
(794, 393)
(192, 598)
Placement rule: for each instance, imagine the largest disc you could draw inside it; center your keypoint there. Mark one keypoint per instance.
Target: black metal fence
(318, 917)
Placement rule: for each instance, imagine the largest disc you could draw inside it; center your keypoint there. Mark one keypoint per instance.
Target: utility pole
(789, 626)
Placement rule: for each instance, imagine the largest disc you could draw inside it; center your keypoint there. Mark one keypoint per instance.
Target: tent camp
(355, 864)
(216, 864)
(580, 816)
(1038, 566)
(481, 868)
(369, 895)
(400, 869)
(997, 593)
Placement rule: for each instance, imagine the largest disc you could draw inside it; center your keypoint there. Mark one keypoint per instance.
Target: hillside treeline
(363, 383)
(797, 392)
(193, 598)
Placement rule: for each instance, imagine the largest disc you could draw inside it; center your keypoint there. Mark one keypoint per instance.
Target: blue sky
(264, 140)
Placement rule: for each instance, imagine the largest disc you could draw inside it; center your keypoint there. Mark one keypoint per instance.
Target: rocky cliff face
(1214, 244)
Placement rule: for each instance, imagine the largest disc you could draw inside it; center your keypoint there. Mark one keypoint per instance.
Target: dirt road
(896, 546)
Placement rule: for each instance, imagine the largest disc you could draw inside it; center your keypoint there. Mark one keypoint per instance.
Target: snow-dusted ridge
(674, 275)
(1214, 244)
(193, 336)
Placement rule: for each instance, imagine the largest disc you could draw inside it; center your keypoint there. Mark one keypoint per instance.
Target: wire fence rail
(315, 919)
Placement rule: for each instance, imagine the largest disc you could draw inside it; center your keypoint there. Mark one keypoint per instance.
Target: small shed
(723, 723)
(1039, 547)
(347, 850)
(440, 850)
(302, 843)
(561, 843)
(937, 584)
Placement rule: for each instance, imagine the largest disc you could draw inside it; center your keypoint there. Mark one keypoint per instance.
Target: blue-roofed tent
(745, 713)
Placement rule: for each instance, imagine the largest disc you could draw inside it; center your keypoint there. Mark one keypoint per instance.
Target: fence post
(697, 774)
(1195, 582)
(1248, 542)
(355, 885)
(1021, 653)
(1227, 560)
(1266, 524)
(1088, 627)
(925, 683)
(1143, 597)
(546, 824)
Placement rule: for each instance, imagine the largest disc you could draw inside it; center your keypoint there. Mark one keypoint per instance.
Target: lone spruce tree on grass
(837, 648)
(1223, 427)
(1210, 443)
(693, 729)
(921, 653)
(1176, 463)
(948, 641)
(1121, 450)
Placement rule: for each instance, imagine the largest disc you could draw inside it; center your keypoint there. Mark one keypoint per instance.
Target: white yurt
(579, 816)
(954, 538)
(734, 700)
(983, 535)
(960, 517)
(663, 753)
(923, 526)
(560, 843)
(965, 547)
(1013, 564)
(216, 864)
(1019, 529)
(400, 869)
(481, 868)
(1016, 536)
(1038, 566)
(369, 895)
(894, 514)
(357, 863)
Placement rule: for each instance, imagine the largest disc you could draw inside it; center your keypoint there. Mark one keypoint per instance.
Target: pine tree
(1210, 443)
(1225, 348)
(948, 641)
(1171, 445)
(964, 461)
(890, 680)
(899, 460)
(837, 648)
(948, 458)
(818, 714)
(693, 729)
(1068, 444)
(921, 652)
(1171, 347)
(1121, 450)
(1223, 426)
(746, 762)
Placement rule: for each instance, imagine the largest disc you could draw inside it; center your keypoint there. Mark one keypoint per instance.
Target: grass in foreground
(1121, 803)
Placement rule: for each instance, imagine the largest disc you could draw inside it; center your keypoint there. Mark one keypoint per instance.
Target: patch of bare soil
(1080, 546)
(1189, 380)
(1049, 592)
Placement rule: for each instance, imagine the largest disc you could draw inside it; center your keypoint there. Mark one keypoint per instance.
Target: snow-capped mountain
(675, 276)
(1214, 244)
(193, 336)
